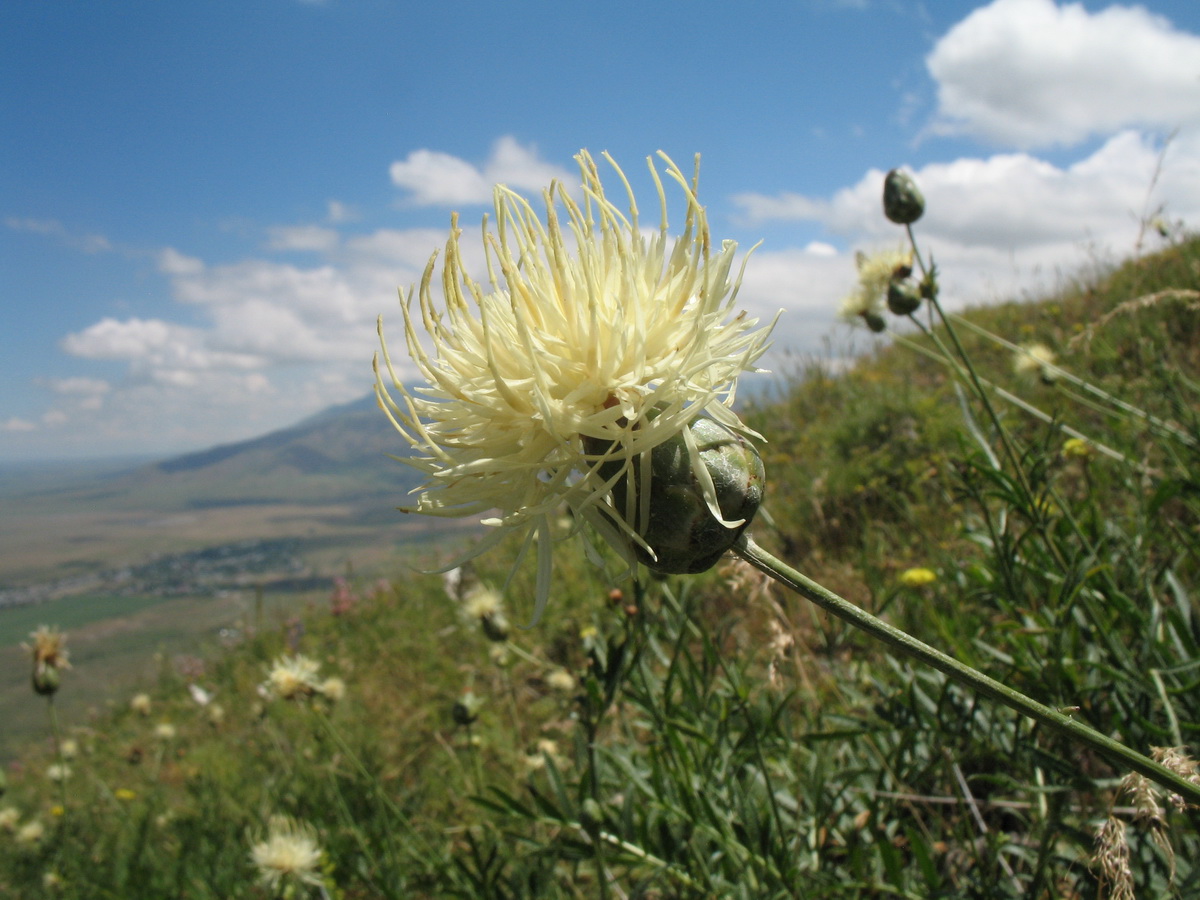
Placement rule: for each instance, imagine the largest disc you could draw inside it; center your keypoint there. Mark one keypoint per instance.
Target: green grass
(719, 738)
(68, 613)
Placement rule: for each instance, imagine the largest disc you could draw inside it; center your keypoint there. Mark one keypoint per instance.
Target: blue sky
(205, 204)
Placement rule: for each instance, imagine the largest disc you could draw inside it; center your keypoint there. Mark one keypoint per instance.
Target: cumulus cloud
(153, 346)
(434, 178)
(1031, 73)
(17, 426)
(999, 226)
(1013, 201)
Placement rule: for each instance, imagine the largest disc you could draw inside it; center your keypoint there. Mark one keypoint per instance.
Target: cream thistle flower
(876, 271)
(292, 678)
(140, 704)
(9, 817)
(31, 833)
(49, 653)
(56, 772)
(289, 854)
(1035, 359)
(593, 344)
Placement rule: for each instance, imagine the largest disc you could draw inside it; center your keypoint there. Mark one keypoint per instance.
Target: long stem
(1114, 751)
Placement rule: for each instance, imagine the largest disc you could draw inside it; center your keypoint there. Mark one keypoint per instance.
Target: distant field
(49, 535)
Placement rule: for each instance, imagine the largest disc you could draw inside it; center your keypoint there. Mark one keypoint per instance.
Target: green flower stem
(58, 753)
(1114, 751)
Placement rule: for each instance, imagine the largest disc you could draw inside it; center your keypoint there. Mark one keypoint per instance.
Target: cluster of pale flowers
(298, 678)
(593, 343)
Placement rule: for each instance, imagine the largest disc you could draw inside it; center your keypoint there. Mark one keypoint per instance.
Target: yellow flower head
(140, 704)
(289, 854)
(919, 577)
(592, 344)
(1077, 448)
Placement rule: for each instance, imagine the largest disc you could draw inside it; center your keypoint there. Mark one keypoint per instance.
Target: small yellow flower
(594, 343)
(164, 731)
(918, 577)
(289, 854)
(125, 795)
(58, 810)
(1077, 448)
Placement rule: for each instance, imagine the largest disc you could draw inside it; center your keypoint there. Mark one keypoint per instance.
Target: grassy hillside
(714, 735)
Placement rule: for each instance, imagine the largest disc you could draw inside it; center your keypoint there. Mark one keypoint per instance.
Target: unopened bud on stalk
(466, 709)
(903, 297)
(903, 202)
(682, 531)
(875, 322)
(495, 627)
(46, 679)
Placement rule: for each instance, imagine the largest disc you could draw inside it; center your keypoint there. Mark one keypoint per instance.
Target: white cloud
(999, 227)
(338, 212)
(436, 178)
(172, 262)
(153, 347)
(88, 243)
(304, 238)
(17, 426)
(80, 386)
(1031, 73)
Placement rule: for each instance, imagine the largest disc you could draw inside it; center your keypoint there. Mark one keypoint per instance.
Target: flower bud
(466, 709)
(875, 322)
(495, 627)
(902, 199)
(903, 297)
(46, 679)
(682, 531)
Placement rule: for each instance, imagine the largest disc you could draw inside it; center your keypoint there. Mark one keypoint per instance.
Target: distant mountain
(339, 454)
